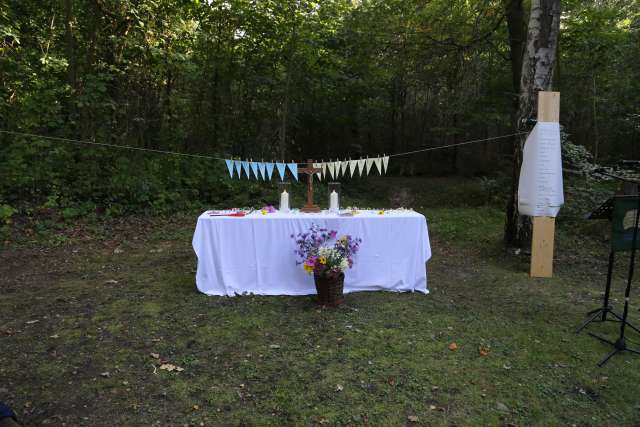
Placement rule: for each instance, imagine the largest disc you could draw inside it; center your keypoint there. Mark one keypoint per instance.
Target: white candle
(333, 201)
(284, 201)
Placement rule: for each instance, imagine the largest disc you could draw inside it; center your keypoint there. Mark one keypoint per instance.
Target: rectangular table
(255, 253)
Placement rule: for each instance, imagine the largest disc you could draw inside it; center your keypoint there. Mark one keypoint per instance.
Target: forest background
(283, 80)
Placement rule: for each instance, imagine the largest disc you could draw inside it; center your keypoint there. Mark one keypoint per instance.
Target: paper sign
(540, 190)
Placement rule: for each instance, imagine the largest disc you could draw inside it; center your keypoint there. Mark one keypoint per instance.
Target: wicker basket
(329, 289)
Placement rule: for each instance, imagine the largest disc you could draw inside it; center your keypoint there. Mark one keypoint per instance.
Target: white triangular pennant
(318, 174)
(338, 167)
(385, 163)
(323, 165)
(361, 166)
(330, 166)
(343, 167)
(378, 163)
(261, 169)
(352, 166)
(238, 165)
(369, 163)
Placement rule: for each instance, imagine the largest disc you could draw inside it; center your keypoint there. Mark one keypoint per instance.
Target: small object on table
(334, 196)
(284, 201)
(310, 170)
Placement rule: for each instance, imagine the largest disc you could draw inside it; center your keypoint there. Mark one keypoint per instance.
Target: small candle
(284, 201)
(333, 201)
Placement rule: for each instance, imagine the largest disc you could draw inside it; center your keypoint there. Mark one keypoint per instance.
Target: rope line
(201, 156)
(102, 144)
(422, 150)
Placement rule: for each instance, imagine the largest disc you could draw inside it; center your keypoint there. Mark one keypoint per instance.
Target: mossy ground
(79, 322)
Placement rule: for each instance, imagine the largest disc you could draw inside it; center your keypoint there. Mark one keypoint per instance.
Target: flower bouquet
(327, 261)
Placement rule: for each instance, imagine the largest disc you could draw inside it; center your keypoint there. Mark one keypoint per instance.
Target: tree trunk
(536, 75)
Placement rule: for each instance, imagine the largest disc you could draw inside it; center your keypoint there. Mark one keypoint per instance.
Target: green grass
(253, 360)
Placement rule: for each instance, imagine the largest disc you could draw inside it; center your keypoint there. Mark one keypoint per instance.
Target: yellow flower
(323, 260)
(308, 268)
(264, 211)
(381, 212)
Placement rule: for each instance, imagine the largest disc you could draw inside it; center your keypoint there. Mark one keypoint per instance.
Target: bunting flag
(293, 167)
(369, 163)
(343, 167)
(361, 166)
(352, 166)
(281, 170)
(254, 169)
(378, 162)
(330, 166)
(338, 167)
(333, 170)
(318, 174)
(245, 168)
(230, 167)
(269, 167)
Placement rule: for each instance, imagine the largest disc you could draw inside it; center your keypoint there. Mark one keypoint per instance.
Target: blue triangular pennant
(293, 167)
(254, 169)
(261, 168)
(281, 170)
(269, 167)
(238, 165)
(230, 167)
(245, 168)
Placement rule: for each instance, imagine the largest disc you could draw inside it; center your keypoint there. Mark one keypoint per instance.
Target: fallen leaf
(413, 418)
(453, 346)
(339, 387)
(196, 407)
(155, 355)
(433, 407)
(31, 322)
(502, 407)
(169, 367)
(105, 374)
(323, 421)
(484, 351)
(111, 282)
(117, 251)
(54, 336)
(274, 346)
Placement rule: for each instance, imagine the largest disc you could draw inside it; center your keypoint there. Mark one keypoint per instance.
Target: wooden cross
(310, 170)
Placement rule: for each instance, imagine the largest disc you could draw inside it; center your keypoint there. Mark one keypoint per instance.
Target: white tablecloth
(255, 254)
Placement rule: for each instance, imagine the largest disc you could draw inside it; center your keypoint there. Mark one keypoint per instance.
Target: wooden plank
(542, 246)
(544, 228)
(548, 106)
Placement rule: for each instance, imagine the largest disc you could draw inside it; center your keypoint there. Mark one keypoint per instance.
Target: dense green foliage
(280, 79)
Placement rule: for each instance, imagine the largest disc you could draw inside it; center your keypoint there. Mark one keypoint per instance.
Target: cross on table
(310, 170)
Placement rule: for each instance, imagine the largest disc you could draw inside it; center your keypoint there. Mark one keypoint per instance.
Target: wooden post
(544, 227)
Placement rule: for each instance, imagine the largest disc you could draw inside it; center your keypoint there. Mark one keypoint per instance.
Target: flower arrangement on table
(267, 210)
(327, 261)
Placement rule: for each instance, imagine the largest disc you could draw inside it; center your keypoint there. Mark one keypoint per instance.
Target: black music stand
(622, 239)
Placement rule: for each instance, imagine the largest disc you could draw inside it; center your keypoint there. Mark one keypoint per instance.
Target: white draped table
(255, 253)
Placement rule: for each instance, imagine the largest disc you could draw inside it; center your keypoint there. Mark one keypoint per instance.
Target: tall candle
(284, 201)
(333, 201)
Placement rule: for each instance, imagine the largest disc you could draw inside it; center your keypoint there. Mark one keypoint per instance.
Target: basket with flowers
(323, 254)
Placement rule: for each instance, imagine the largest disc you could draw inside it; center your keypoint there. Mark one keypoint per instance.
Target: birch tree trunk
(538, 63)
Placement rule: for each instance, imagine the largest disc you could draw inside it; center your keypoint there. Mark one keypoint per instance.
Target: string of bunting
(265, 170)
(335, 169)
